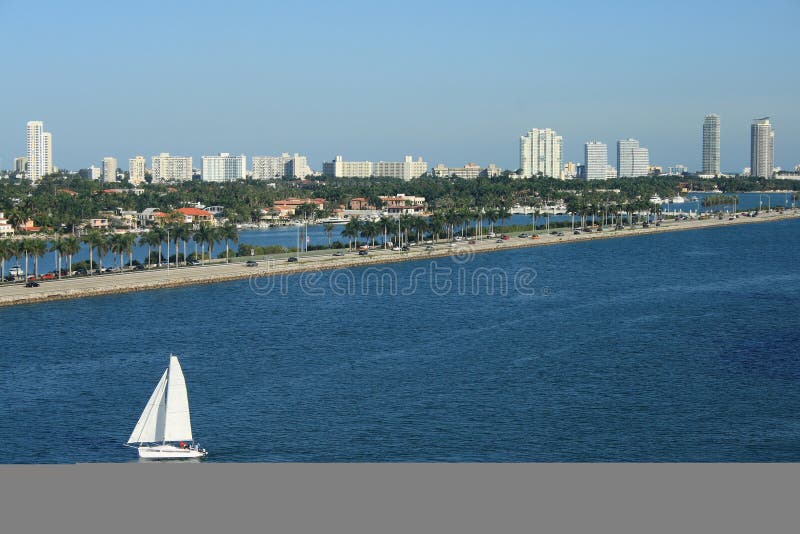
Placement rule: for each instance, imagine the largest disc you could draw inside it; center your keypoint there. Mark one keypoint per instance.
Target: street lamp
(769, 206)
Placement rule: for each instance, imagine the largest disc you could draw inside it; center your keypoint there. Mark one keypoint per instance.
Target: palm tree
(70, 246)
(93, 238)
(328, 227)
(151, 239)
(116, 247)
(57, 247)
(228, 232)
(7, 251)
(351, 231)
(179, 232)
(436, 225)
(38, 248)
(128, 240)
(386, 222)
(203, 235)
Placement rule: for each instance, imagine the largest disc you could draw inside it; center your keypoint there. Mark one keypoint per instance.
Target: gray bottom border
(353, 498)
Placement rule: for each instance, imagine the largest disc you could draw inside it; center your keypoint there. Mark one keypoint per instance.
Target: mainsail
(150, 427)
(177, 426)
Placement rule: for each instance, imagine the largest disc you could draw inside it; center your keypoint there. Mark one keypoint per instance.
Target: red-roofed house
(196, 215)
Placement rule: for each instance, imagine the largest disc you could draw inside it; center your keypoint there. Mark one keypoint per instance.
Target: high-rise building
(596, 158)
(40, 151)
(283, 166)
(224, 168)
(632, 160)
(109, 169)
(762, 148)
(405, 170)
(297, 167)
(711, 145)
(339, 168)
(540, 153)
(166, 168)
(20, 164)
(136, 170)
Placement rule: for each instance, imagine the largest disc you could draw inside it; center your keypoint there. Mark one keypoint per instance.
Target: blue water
(672, 347)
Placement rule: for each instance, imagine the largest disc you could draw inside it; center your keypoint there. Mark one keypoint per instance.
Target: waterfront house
(5, 227)
(196, 215)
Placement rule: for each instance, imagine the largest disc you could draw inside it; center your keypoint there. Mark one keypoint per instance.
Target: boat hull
(170, 452)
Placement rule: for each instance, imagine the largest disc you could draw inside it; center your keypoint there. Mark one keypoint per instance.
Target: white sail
(177, 426)
(150, 427)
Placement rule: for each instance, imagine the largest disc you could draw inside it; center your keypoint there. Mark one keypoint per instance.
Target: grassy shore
(109, 284)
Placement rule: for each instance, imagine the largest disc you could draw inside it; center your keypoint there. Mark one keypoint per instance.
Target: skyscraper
(762, 148)
(596, 159)
(540, 153)
(109, 169)
(166, 168)
(136, 170)
(711, 145)
(224, 168)
(632, 160)
(40, 151)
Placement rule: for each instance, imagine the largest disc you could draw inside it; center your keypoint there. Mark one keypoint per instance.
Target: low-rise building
(196, 215)
(5, 227)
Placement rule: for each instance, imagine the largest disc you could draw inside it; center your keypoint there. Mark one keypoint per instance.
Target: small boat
(164, 430)
(655, 199)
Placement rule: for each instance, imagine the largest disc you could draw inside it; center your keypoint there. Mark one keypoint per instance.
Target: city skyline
(373, 91)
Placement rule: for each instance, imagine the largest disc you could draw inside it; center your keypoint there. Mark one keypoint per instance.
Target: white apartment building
(224, 168)
(109, 169)
(338, 168)
(632, 160)
(297, 167)
(762, 148)
(283, 166)
(470, 171)
(405, 170)
(596, 160)
(540, 153)
(40, 151)
(166, 168)
(136, 170)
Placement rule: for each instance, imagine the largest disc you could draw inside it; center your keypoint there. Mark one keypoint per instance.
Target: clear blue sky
(453, 81)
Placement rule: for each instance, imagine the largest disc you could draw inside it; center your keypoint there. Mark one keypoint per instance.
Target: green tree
(229, 233)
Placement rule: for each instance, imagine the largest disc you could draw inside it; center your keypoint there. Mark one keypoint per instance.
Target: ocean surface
(680, 346)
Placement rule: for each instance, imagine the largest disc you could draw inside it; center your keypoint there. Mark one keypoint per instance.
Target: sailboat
(164, 430)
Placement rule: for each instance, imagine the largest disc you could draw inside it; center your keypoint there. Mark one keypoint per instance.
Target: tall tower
(109, 169)
(632, 160)
(762, 148)
(596, 159)
(540, 153)
(40, 151)
(711, 145)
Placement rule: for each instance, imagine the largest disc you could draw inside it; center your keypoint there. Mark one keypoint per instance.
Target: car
(251, 263)
(505, 237)
(535, 236)
(577, 232)
(9, 278)
(524, 236)
(80, 271)
(192, 261)
(138, 267)
(405, 248)
(292, 259)
(472, 241)
(491, 235)
(658, 223)
(412, 244)
(363, 252)
(498, 240)
(560, 234)
(396, 248)
(113, 270)
(32, 284)
(48, 276)
(428, 247)
(338, 253)
(554, 232)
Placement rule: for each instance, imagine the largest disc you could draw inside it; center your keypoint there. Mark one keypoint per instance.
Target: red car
(48, 276)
